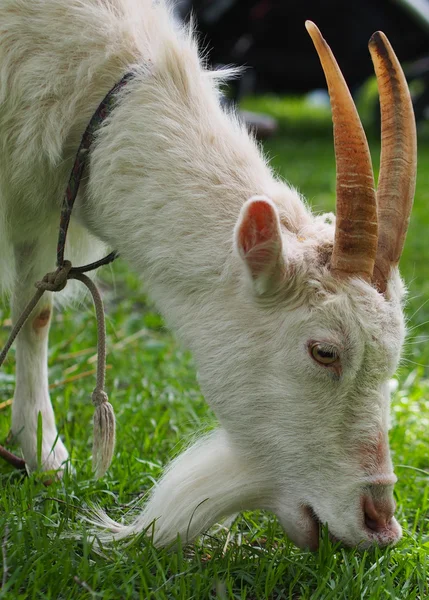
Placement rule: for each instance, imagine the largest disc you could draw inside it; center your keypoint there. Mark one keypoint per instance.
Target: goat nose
(378, 510)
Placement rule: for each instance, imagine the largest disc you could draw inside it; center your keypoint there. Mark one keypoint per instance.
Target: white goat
(295, 323)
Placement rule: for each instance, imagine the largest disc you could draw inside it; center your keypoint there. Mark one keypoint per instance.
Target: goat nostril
(375, 524)
(377, 514)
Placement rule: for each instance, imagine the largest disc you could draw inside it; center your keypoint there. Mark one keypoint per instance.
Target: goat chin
(294, 362)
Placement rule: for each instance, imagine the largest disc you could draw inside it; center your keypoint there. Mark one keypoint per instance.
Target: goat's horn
(397, 181)
(356, 230)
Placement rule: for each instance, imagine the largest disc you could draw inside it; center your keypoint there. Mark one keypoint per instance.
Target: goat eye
(323, 355)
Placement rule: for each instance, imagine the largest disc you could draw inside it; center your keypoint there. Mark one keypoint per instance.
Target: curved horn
(398, 164)
(356, 230)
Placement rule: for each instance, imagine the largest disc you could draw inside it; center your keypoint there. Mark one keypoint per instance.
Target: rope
(104, 417)
(20, 323)
(103, 111)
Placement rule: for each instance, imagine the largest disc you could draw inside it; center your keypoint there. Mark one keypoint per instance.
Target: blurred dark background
(269, 38)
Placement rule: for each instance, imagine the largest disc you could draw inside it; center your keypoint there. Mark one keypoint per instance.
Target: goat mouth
(312, 527)
(390, 533)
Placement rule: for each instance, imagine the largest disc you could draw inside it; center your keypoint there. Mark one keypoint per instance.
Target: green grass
(152, 384)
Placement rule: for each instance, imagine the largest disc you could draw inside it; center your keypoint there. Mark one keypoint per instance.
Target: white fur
(169, 176)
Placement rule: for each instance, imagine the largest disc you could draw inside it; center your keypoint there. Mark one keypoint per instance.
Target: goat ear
(259, 242)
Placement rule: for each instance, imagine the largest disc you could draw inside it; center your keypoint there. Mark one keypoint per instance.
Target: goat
(295, 320)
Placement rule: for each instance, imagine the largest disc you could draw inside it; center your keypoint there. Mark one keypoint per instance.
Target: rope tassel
(104, 416)
(104, 433)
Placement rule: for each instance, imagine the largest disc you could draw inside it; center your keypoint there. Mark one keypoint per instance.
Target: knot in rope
(56, 280)
(99, 397)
